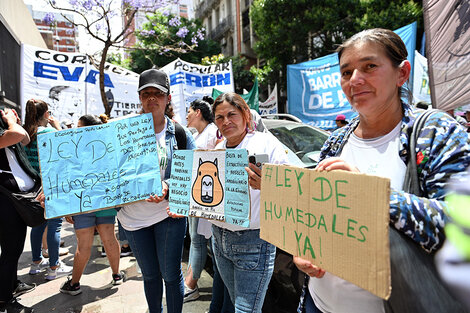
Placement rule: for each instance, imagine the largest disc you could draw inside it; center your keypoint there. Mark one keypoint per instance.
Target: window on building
(217, 15)
(246, 18)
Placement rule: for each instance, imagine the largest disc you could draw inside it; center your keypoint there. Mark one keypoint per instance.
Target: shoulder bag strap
(411, 182)
(180, 135)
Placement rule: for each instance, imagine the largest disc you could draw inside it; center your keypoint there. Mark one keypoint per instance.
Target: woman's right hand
(308, 268)
(69, 219)
(54, 122)
(42, 199)
(156, 198)
(334, 163)
(9, 116)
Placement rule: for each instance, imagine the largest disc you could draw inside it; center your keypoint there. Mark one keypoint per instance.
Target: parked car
(303, 144)
(303, 140)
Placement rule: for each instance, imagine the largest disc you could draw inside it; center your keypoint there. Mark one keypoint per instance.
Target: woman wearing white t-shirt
(374, 69)
(200, 117)
(155, 238)
(244, 260)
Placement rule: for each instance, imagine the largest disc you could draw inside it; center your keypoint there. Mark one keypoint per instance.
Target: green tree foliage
(162, 30)
(294, 31)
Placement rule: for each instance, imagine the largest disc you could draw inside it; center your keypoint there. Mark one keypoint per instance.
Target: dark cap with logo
(154, 78)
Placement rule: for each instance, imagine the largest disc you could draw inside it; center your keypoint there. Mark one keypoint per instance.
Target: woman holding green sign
(244, 260)
(155, 238)
(374, 70)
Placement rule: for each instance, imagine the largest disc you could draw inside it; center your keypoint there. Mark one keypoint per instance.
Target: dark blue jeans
(53, 240)
(310, 306)
(220, 302)
(158, 250)
(246, 264)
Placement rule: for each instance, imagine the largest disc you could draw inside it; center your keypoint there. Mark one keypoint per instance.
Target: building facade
(228, 22)
(16, 27)
(62, 36)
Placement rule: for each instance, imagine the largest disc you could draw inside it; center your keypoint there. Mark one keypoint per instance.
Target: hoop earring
(218, 134)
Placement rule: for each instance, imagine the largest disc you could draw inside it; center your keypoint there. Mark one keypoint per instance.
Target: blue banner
(314, 87)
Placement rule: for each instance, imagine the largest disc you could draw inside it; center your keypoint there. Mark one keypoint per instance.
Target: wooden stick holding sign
(338, 220)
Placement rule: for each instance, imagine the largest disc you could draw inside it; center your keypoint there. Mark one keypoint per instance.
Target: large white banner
(421, 90)
(270, 105)
(189, 82)
(69, 83)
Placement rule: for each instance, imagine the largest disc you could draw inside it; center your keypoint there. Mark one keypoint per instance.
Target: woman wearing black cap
(155, 238)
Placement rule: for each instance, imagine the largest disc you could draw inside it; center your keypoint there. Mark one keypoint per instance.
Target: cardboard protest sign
(338, 220)
(212, 184)
(95, 167)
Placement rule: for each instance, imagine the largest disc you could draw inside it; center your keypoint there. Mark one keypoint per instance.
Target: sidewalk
(98, 295)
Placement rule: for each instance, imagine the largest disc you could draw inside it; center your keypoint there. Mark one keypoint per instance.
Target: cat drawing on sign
(207, 189)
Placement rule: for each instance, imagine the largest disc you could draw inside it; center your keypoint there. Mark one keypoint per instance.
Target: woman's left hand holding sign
(156, 198)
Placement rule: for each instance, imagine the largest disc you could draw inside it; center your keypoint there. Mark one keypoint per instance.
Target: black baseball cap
(154, 78)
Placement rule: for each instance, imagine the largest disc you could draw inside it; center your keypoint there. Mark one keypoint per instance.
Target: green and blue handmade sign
(96, 167)
(211, 184)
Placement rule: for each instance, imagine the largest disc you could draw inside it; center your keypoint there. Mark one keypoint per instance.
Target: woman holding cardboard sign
(155, 238)
(200, 117)
(84, 226)
(374, 70)
(244, 260)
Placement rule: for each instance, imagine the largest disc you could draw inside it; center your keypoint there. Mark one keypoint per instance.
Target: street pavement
(98, 295)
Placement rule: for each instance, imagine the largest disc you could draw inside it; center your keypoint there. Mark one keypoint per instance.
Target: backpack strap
(180, 135)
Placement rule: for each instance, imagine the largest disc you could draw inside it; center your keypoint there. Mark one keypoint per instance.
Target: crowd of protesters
(374, 72)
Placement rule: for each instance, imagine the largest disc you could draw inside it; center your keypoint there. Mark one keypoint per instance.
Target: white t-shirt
(377, 156)
(207, 139)
(142, 214)
(256, 143)
(22, 179)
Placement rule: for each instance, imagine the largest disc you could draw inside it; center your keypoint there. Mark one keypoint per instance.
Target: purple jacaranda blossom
(146, 33)
(49, 18)
(182, 32)
(175, 22)
(194, 40)
(88, 5)
(200, 33)
(166, 13)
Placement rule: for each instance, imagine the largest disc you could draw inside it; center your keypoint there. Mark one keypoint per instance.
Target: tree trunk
(104, 99)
